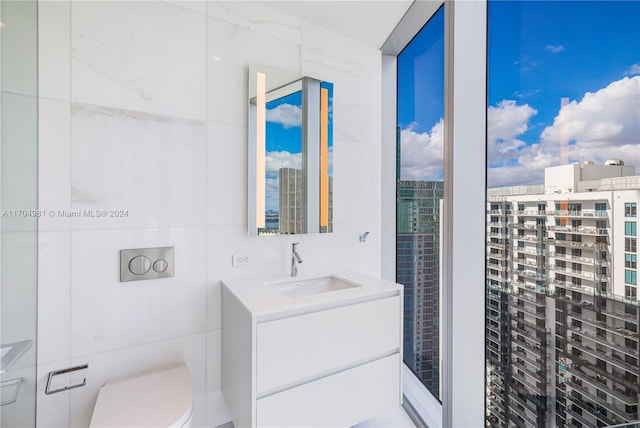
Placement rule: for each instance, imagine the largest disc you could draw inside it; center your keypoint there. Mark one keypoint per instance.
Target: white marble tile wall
(143, 108)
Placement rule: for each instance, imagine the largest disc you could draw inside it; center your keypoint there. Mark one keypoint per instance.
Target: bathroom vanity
(324, 350)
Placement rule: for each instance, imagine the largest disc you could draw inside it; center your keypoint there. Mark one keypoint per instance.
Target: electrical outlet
(240, 261)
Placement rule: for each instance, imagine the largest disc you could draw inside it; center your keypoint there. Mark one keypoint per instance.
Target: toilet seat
(157, 398)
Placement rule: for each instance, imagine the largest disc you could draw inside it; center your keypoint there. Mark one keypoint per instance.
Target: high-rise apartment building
(418, 269)
(291, 201)
(562, 315)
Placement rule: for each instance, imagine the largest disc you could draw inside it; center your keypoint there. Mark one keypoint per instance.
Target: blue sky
(539, 53)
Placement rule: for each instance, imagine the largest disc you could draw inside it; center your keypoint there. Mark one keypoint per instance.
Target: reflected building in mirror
(291, 202)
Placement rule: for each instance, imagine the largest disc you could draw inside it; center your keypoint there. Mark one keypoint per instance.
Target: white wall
(143, 108)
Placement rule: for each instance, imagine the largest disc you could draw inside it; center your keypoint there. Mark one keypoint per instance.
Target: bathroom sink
(311, 286)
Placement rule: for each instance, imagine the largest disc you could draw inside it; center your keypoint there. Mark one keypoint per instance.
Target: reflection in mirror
(290, 153)
(284, 190)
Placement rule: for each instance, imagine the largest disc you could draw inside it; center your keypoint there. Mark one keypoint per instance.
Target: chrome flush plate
(147, 263)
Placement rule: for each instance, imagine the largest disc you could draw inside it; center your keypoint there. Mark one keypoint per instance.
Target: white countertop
(263, 302)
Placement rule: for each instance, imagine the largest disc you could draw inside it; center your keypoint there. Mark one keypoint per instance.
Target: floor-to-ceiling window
(419, 192)
(563, 170)
(433, 128)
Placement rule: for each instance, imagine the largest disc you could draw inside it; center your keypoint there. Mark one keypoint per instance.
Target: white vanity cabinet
(330, 361)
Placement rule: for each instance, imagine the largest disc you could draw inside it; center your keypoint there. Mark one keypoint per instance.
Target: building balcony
(499, 212)
(600, 246)
(497, 386)
(580, 230)
(616, 330)
(495, 329)
(587, 350)
(535, 299)
(535, 388)
(535, 375)
(531, 263)
(578, 214)
(603, 341)
(495, 340)
(529, 238)
(494, 358)
(589, 261)
(524, 415)
(522, 354)
(540, 335)
(590, 291)
(496, 277)
(529, 406)
(520, 324)
(539, 289)
(492, 244)
(590, 276)
(530, 250)
(498, 235)
(584, 421)
(495, 297)
(600, 382)
(498, 415)
(621, 414)
(529, 346)
(621, 315)
(497, 287)
(498, 255)
(495, 318)
(492, 346)
(591, 409)
(531, 274)
(532, 213)
(496, 224)
(499, 399)
(541, 315)
(615, 375)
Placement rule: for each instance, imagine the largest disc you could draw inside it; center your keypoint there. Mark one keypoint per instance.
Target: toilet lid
(159, 398)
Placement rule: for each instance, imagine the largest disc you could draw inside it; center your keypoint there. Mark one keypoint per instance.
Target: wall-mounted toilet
(157, 398)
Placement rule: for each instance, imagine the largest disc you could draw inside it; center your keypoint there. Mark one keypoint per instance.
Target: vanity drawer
(299, 348)
(342, 399)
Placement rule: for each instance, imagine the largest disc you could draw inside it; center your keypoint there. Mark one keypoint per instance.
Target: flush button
(160, 265)
(139, 265)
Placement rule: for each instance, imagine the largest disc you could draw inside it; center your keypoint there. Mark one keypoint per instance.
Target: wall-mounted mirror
(290, 153)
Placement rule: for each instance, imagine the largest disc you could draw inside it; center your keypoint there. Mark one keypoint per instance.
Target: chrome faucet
(295, 258)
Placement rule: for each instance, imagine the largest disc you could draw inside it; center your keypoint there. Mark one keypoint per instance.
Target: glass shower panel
(18, 209)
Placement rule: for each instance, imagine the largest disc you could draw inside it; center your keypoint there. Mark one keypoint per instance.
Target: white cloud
(505, 122)
(633, 70)
(554, 49)
(287, 115)
(422, 154)
(276, 160)
(602, 125)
